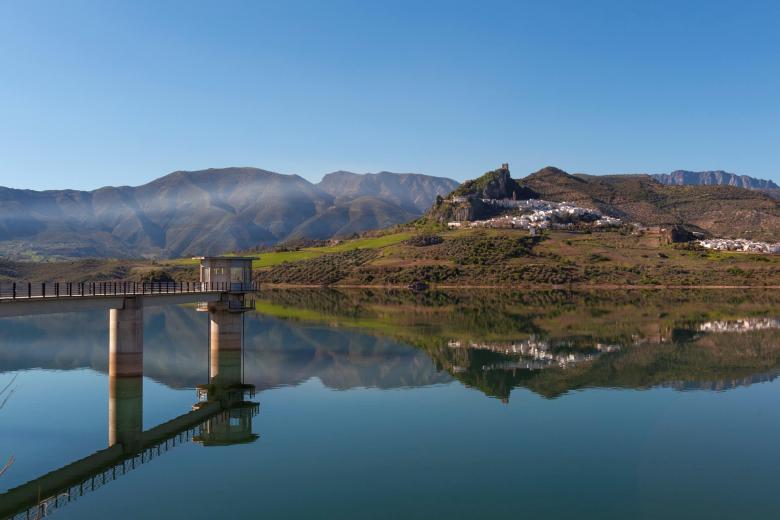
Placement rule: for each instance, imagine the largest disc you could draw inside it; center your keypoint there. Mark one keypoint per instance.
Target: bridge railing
(38, 290)
(47, 505)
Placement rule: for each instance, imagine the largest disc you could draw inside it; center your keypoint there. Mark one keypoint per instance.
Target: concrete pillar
(226, 337)
(125, 372)
(226, 331)
(126, 339)
(125, 412)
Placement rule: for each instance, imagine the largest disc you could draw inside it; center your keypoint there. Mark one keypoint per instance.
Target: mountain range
(717, 177)
(207, 212)
(212, 211)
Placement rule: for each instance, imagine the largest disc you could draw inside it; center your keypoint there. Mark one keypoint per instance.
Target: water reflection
(550, 343)
(220, 417)
(176, 354)
(557, 341)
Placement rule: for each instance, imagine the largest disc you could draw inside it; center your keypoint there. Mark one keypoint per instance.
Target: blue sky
(108, 93)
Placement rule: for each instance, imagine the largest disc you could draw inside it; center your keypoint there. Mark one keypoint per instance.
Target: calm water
(376, 404)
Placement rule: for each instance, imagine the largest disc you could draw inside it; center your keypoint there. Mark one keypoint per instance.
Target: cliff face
(498, 185)
(448, 210)
(714, 178)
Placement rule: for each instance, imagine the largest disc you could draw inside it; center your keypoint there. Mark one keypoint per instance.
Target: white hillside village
(740, 244)
(536, 214)
(741, 325)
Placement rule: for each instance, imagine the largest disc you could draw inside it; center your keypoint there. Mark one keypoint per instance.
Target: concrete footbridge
(220, 277)
(220, 416)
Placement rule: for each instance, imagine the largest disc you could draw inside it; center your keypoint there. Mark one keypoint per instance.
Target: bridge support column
(226, 332)
(226, 382)
(125, 371)
(125, 412)
(126, 339)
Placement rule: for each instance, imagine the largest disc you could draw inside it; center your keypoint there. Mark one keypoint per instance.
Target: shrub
(424, 240)
(157, 276)
(323, 270)
(595, 257)
(488, 250)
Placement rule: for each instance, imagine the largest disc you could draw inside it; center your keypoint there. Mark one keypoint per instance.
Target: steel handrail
(42, 290)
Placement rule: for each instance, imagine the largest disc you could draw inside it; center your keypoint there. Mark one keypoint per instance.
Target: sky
(96, 93)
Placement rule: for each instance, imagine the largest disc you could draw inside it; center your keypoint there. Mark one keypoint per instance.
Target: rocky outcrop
(714, 178)
(467, 201)
(496, 184)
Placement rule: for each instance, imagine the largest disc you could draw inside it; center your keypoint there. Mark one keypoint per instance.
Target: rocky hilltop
(466, 202)
(496, 184)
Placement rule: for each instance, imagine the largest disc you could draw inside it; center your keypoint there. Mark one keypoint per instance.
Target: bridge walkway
(22, 291)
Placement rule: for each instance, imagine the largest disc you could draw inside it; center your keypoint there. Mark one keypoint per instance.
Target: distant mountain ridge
(413, 192)
(204, 212)
(717, 177)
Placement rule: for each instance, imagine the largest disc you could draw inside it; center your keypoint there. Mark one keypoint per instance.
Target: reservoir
(397, 404)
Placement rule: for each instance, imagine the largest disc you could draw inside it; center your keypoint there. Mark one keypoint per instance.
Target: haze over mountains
(206, 212)
(230, 209)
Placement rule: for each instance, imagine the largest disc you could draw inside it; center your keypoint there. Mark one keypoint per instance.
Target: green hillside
(513, 258)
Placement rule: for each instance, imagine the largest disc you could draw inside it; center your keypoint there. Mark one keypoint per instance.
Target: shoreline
(533, 287)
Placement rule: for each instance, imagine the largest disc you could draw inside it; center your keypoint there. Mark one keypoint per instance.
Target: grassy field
(275, 258)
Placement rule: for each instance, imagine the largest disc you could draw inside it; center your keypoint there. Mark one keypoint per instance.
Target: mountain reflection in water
(549, 342)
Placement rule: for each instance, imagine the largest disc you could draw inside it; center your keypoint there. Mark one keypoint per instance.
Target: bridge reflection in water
(221, 416)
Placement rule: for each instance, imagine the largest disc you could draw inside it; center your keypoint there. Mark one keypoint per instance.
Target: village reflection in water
(557, 341)
(550, 343)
